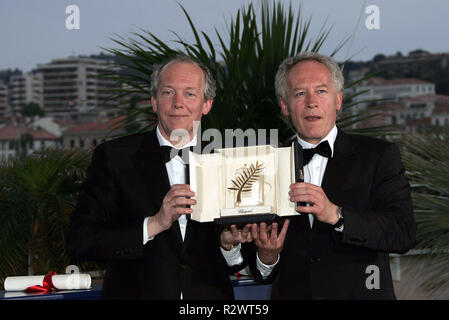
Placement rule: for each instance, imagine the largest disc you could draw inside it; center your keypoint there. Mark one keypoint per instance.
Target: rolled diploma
(60, 282)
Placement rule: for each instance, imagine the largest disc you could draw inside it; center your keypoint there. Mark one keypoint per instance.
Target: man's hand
(320, 206)
(173, 206)
(232, 237)
(269, 243)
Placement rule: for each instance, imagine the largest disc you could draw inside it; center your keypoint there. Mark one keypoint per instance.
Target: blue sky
(34, 32)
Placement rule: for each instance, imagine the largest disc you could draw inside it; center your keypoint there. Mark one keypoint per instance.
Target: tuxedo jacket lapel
(149, 163)
(190, 223)
(336, 173)
(338, 167)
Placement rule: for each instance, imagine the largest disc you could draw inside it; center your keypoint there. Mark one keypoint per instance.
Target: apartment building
(4, 106)
(440, 116)
(392, 89)
(423, 107)
(25, 88)
(73, 85)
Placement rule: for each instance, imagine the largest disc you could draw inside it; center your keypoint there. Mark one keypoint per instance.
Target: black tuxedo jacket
(125, 183)
(366, 178)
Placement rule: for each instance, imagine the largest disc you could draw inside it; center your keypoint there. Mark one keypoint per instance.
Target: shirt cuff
(145, 231)
(340, 229)
(263, 268)
(234, 256)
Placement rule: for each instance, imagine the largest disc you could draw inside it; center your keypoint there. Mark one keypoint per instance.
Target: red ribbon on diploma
(47, 284)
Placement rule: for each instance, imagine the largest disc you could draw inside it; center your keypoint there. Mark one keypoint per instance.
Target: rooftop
(13, 132)
(105, 125)
(378, 81)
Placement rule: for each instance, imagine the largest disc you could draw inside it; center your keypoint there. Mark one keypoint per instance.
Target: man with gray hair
(354, 205)
(134, 205)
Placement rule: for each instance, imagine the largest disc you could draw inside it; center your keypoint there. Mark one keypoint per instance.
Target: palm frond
(37, 194)
(244, 63)
(426, 159)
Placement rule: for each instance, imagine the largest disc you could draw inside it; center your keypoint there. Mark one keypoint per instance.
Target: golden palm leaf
(244, 181)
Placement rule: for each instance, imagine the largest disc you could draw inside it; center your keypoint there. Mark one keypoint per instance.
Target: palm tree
(426, 157)
(244, 64)
(37, 194)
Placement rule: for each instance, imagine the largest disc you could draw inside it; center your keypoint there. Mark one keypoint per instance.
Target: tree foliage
(244, 63)
(32, 109)
(37, 194)
(426, 158)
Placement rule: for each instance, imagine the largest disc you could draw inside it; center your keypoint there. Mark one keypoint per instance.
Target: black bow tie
(322, 149)
(169, 153)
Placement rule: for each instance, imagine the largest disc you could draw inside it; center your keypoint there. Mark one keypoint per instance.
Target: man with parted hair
(354, 204)
(133, 207)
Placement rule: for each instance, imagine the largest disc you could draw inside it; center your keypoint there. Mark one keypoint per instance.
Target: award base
(242, 220)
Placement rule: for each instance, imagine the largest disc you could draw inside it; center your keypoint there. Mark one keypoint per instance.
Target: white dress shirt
(313, 173)
(314, 170)
(176, 175)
